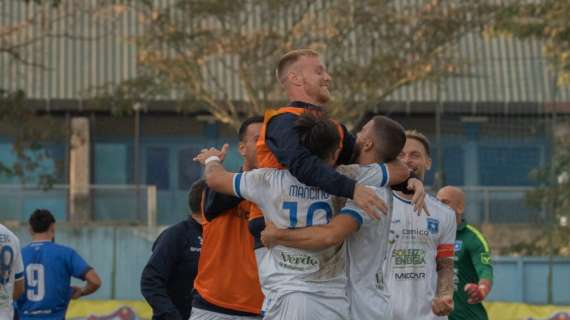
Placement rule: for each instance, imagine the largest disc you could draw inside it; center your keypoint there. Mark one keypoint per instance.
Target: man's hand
(76, 293)
(269, 235)
(477, 293)
(419, 197)
(367, 200)
(442, 306)
(212, 152)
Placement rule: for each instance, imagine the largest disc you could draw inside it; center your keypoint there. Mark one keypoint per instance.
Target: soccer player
(48, 270)
(167, 280)
(419, 264)
(227, 284)
(473, 269)
(11, 272)
(298, 284)
(380, 140)
(305, 80)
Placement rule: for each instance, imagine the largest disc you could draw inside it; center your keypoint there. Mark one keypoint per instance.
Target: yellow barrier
(79, 309)
(520, 311)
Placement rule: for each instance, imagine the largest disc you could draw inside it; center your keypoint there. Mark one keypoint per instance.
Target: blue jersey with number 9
(48, 268)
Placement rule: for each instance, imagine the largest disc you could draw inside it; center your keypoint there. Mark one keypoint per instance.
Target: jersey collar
(305, 105)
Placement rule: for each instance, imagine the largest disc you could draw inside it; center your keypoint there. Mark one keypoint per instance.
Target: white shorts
(201, 314)
(306, 306)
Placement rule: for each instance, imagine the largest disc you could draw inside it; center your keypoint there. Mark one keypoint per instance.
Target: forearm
(444, 277)
(313, 239)
(93, 283)
(217, 178)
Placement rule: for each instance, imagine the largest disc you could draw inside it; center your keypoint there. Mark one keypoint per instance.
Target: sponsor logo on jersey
(392, 237)
(432, 225)
(402, 276)
(408, 257)
(458, 245)
(298, 261)
(486, 259)
(396, 221)
(414, 232)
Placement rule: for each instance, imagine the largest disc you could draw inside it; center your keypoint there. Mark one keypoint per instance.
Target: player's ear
(294, 77)
(428, 162)
(242, 149)
(368, 144)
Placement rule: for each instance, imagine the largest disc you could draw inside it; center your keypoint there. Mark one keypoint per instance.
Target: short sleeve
(78, 266)
(358, 214)
(383, 175)
(251, 185)
(480, 254)
(445, 248)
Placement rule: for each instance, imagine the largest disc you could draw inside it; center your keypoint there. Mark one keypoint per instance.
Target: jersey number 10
(293, 217)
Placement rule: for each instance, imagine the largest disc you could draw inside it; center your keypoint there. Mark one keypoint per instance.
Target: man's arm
(18, 288)
(442, 304)
(313, 238)
(92, 285)
(480, 254)
(283, 141)
(157, 272)
(216, 203)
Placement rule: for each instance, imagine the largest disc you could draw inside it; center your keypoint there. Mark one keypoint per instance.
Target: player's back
(48, 271)
(415, 241)
(366, 248)
(290, 204)
(11, 269)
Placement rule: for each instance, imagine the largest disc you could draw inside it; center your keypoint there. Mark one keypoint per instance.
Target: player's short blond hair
(289, 59)
(414, 134)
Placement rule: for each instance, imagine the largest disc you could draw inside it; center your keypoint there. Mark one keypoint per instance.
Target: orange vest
(227, 270)
(265, 158)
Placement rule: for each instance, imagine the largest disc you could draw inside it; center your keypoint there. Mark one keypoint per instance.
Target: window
(188, 170)
(158, 167)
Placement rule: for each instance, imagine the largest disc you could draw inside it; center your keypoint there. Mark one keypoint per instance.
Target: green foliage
(547, 20)
(220, 55)
(553, 196)
(31, 134)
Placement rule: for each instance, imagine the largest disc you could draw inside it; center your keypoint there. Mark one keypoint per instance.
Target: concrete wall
(120, 253)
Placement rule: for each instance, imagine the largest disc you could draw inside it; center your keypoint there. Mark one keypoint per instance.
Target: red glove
(476, 292)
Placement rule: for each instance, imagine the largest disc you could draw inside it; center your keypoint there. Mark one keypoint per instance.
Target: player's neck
(38, 237)
(365, 158)
(303, 97)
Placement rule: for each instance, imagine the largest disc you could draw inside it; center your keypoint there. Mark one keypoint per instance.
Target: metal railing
(106, 203)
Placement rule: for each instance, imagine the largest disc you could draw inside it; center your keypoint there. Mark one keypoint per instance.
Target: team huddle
(318, 224)
(347, 229)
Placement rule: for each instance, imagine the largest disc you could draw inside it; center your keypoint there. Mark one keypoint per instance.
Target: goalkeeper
(473, 269)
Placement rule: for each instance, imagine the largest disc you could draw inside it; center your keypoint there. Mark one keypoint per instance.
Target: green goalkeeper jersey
(472, 263)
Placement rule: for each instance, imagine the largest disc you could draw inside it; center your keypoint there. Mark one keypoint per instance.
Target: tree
(25, 31)
(547, 20)
(220, 55)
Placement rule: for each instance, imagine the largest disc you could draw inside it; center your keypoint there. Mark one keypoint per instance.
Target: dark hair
(246, 123)
(41, 220)
(413, 134)
(290, 58)
(318, 134)
(195, 195)
(391, 137)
